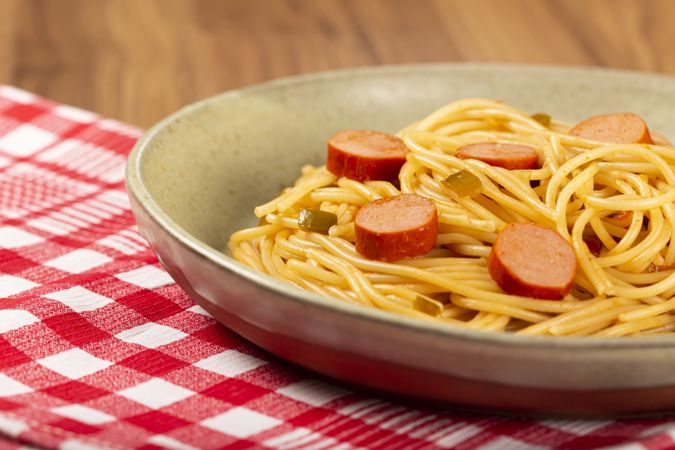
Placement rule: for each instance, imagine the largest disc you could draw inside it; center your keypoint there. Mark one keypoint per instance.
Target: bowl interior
(210, 164)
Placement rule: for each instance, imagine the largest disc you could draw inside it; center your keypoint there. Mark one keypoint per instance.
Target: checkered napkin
(100, 349)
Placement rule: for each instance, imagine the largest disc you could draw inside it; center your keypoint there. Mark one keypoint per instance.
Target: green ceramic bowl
(195, 177)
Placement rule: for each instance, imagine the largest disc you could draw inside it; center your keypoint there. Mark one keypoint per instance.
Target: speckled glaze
(196, 176)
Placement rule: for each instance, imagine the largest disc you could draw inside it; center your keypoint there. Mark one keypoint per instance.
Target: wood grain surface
(138, 60)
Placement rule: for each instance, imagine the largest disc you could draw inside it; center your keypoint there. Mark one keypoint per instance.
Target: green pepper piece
(316, 220)
(464, 184)
(542, 118)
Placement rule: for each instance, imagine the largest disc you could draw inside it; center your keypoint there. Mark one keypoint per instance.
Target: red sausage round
(366, 155)
(617, 128)
(508, 156)
(532, 261)
(393, 228)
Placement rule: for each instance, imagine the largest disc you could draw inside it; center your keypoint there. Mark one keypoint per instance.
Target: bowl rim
(136, 188)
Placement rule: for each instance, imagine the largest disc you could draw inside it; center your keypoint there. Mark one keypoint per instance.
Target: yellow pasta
(579, 188)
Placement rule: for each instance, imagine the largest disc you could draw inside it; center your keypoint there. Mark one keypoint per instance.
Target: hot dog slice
(532, 261)
(393, 228)
(366, 155)
(618, 128)
(508, 156)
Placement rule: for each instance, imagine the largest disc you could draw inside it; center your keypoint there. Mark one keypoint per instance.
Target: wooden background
(138, 60)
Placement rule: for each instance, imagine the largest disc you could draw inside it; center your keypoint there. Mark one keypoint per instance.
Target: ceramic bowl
(195, 177)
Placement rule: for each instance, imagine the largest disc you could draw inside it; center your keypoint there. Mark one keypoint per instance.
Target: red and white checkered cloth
(100, 349)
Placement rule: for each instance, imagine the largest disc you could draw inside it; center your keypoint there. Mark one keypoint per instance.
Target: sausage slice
(617, 128)
(366, 155)
(393, 228)
(508, 156)
(532, 261)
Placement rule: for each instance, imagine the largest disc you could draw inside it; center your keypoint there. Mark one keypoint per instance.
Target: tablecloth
(100, 349)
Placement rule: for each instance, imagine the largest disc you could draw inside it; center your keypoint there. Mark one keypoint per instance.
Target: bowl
(195, 177)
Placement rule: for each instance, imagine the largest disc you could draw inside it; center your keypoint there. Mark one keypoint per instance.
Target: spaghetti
(612, 202)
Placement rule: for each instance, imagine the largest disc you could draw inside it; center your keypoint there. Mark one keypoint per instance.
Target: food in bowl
(482, 216)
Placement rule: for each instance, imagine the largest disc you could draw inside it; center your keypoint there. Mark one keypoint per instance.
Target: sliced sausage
(393, 228)
(366, 155)
(532, 261)
(617, 128)
(508, 156)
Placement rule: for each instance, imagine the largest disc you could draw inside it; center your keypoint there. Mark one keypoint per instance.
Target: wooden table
(138, 60)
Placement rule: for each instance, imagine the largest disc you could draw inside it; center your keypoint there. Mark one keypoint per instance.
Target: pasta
(612, 202)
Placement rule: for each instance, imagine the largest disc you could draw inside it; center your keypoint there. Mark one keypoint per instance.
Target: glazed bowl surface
(195, 177)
